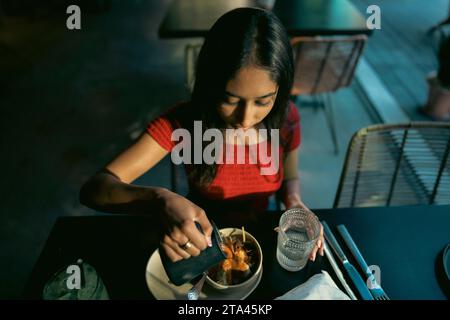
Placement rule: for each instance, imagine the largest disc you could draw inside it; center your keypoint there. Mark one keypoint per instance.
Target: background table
(194, 18)
(320, 17)
(404, 241)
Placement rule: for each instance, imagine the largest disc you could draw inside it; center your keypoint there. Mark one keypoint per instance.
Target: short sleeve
(291, 128)
(162, 127)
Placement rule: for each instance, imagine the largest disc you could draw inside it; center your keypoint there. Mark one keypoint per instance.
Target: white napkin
(319, 287)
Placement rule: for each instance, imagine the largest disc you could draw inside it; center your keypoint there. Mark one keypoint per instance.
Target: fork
(374, 288)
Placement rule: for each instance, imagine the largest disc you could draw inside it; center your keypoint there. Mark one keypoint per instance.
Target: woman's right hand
(181, 238)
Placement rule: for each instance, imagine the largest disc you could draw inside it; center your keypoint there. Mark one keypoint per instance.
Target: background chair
(324, 65)
(399, 164)
(191, 52)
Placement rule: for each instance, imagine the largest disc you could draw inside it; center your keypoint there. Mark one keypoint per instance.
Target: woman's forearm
(291, 193)
(106, 192)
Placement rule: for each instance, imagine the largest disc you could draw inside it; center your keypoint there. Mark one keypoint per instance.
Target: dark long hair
(241, 37)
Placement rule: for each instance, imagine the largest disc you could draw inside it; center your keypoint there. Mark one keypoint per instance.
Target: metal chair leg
(316, 103)
(328, 109)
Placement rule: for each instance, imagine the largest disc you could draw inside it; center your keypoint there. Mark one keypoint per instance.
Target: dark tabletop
(405, 242)
(194, 18)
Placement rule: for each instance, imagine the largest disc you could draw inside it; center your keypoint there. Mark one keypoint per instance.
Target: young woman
(243, 81)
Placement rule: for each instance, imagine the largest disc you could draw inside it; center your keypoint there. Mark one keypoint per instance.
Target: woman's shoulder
(292, 119)
(292, 115)
(174, 115)
(290, 132)
(162, 126)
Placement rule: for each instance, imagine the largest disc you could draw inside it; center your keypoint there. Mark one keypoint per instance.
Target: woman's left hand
(319, 247)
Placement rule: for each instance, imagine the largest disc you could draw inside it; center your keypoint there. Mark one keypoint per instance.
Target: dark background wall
(69, 101)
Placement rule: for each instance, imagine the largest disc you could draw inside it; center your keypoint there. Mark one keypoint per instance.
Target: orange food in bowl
(243, 261)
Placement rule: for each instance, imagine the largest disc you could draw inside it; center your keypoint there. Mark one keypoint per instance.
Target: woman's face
(248, 98)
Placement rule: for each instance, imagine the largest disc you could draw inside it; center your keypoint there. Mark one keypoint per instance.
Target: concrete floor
(403, 52)
(71, 100)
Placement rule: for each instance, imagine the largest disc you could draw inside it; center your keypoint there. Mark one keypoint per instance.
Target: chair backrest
(399, 164)
(325, 64)
(191, 55)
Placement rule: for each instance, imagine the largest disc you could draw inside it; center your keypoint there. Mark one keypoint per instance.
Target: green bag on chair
(79, 281)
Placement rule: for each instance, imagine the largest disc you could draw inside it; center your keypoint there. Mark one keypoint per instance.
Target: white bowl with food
(242, 267)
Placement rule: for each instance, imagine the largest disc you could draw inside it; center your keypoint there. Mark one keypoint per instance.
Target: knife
(359, 283)
(374, 286)
(337, 271)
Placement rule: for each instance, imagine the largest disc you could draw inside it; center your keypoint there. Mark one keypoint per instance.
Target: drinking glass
(299, 229)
